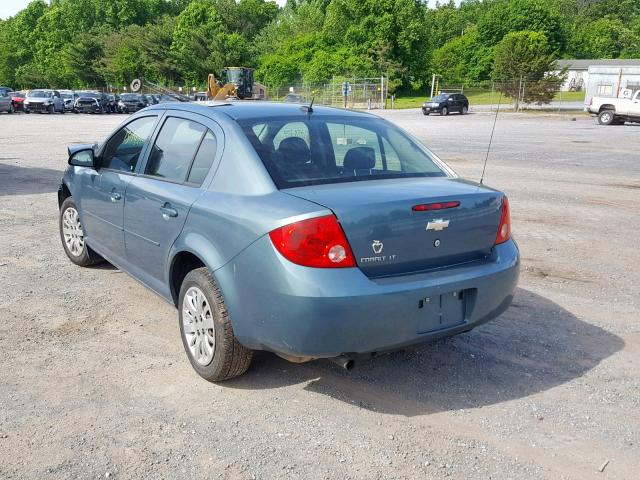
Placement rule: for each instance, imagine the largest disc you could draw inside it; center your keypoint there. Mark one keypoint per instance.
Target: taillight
(504, 229)
(317, 242)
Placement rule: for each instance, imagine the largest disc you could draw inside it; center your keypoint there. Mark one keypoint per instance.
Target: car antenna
(495, 119)
(308, 108)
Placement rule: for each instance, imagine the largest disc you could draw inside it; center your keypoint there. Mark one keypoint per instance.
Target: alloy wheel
(72, 231)
(198, 327)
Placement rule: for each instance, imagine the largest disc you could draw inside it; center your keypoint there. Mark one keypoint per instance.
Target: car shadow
(534, 346)
(16, 180)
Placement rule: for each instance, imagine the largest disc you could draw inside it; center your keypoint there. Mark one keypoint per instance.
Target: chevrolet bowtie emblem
(437, 225)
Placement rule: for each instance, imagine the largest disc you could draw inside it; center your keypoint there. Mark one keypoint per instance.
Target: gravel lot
(94, 382)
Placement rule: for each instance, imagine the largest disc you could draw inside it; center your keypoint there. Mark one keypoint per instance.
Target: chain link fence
(517, 94)
(363, 93)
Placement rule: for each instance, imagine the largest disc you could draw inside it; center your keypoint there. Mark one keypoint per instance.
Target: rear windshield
(323, 149)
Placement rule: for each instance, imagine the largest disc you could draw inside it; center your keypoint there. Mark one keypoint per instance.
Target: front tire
(51, 109)
(206, 331)
(606, 117)
(72, 236)
(444, 112)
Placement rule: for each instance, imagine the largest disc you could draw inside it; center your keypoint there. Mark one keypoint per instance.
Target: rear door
(158, 200)
(634, 106)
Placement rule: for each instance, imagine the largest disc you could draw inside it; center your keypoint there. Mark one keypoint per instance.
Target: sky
(9, 8)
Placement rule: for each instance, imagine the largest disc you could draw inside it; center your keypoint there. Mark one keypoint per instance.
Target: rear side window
(204, 159)
(174, 149)
(122, 151)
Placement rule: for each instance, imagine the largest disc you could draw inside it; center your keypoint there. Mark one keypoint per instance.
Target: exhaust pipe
(343, 361)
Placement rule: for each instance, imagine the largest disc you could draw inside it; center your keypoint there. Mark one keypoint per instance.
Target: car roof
(245, 109)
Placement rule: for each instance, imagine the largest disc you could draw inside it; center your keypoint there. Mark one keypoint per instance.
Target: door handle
(115, 196)
(168, 211)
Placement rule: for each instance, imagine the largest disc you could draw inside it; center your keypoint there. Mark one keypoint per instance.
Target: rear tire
(464, 110)
(444, 112)
(206, 331)
(72, 236)
(606, 117)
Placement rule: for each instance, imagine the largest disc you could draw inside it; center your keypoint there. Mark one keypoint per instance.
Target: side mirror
(451, 100)
(83, 157)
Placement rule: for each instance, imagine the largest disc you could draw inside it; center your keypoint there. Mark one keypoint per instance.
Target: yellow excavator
(239, 85)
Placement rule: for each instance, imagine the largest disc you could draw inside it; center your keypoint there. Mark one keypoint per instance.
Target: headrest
(294, 150)
(360, 158)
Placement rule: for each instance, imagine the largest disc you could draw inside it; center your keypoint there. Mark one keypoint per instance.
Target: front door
(159, 199)
(103, 193)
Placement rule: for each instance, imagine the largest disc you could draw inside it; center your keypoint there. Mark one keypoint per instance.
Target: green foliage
(526, 58)
(80, 43)
(464, 59)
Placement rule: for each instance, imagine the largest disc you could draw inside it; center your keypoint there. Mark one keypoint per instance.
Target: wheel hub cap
(72, 232)
(197, 325)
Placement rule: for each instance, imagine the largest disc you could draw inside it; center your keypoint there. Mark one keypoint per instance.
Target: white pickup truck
(616, 111)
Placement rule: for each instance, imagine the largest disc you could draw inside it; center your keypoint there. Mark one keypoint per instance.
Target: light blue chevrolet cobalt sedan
(310, 232)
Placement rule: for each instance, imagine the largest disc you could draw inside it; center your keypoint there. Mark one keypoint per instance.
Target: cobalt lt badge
(377, 246)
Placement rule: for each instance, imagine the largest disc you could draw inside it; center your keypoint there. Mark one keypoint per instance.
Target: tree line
(80, 43)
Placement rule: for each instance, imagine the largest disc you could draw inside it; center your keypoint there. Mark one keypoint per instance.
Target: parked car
(445, 103)
(131, 102)
(91, 101)
(17, 98)
(293, 98)
(69, 97)
(6, 103)
(112, 103)
(308, 232)
(43, 100)
(151, 100)
(6, 90)
(616, 111)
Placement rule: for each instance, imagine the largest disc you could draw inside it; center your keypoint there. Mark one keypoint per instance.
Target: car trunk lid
(388, 237)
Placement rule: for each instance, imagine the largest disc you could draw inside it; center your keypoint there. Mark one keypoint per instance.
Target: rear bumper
(285, 308)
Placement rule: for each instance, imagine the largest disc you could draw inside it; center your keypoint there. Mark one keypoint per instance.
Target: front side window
(122, 151)
(327, 149)
(174, 149)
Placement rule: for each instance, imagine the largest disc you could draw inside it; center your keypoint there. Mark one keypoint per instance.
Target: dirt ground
(94, 382)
